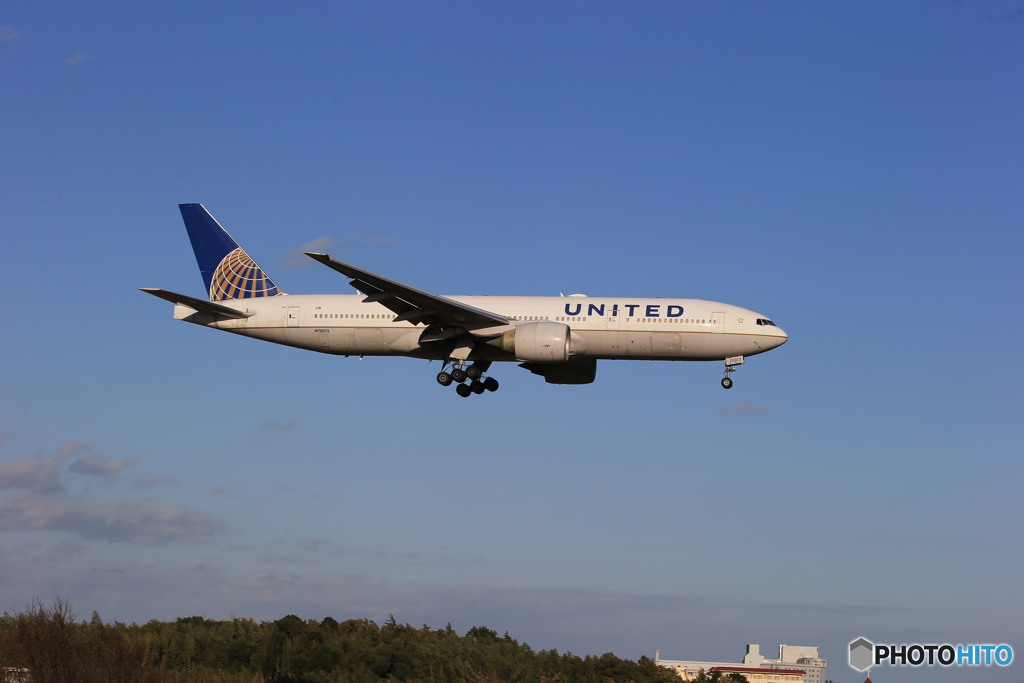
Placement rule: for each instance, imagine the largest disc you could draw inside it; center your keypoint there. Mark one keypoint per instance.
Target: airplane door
(717, 322)
(612, 320)
(293, 316)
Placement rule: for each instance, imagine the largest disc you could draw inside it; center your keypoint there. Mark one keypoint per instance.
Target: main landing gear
(474, 373)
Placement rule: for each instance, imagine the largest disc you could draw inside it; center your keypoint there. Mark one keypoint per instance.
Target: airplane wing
(409, 303)
(198, 304)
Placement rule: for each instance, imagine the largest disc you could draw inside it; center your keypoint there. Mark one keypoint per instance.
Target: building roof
(747, 670)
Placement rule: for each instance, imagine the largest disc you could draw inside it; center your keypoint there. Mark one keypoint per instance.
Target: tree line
(47, 644)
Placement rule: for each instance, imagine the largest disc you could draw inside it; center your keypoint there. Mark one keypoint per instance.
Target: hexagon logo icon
(861, 654)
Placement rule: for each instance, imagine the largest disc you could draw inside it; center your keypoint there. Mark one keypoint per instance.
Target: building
(792, 657)
(756, 675)
(811, 667)
(10, 674)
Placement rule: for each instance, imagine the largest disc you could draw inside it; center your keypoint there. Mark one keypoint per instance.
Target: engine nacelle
(540, 342)
(576, 371)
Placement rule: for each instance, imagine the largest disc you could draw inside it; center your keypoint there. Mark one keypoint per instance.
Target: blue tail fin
(227, 270)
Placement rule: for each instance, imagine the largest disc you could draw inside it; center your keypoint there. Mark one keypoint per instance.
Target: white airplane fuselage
(601, 327)
(560, 338)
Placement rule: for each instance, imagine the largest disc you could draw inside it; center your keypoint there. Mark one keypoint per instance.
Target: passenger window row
(689, 321)
(347, 315)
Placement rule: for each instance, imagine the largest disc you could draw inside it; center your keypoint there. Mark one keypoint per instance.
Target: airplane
(559, 338)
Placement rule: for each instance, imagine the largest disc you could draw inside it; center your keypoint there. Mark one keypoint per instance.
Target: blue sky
(853, 170)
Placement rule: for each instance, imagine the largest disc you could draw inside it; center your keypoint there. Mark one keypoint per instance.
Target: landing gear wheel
(491, 384)
(473, 372)
(729, 369)
(459, 375)
(476, 386)
(463, 390)
(443, 378)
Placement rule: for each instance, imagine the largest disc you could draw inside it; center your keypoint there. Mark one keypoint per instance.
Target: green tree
(41, 639)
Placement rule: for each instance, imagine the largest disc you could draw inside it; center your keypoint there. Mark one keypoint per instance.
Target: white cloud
(95, 464)
(30, 474)
(126, 521)
(296, 257)
(44, 475)
(72, 448)
(743, 408)
(43, 503)
(314, 544)
(8, 34)
(75, 59)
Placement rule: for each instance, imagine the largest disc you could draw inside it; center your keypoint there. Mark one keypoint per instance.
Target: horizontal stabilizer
(198, 304)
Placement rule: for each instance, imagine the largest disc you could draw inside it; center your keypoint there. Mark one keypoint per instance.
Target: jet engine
(540, 342)
(576, 371)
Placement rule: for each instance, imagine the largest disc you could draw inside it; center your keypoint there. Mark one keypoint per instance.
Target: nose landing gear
(730, 368)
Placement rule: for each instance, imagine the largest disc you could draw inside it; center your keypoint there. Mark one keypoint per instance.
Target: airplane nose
(784, 337)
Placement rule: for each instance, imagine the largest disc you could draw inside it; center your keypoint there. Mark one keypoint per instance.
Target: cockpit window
(765, 321)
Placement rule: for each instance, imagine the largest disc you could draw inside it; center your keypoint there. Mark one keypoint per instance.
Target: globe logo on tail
(238, 277)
